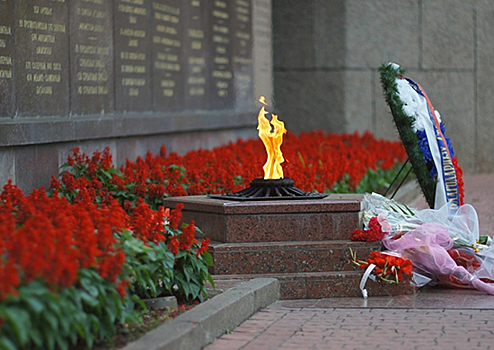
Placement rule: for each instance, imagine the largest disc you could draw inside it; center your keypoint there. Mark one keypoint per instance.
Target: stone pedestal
(303, 243)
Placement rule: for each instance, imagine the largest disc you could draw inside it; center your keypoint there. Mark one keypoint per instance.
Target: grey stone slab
(196, 56)
(7, 26)
(220, 41)
(485, 87)
(34, 166)
(91, 128)
(262, 48)
(379, 31)
(42, 58)
(91, 57)
(7, 170)
(448, 33)
(311, 100)
(293, 34)
(204, 323)
(133, 68)
(241, 28)
(453, 95)
(330, 33)
(359, 114)
(167, 42)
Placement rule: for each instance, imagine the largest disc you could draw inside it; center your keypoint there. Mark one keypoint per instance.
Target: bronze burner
(261, 189)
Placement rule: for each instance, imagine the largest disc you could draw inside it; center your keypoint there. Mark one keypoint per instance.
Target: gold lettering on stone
(196, 45)
(220, 39)
(167, 83)
(44, 90)
(42, 10)
(166, 29)
(133, 32)
(3, 43)
(221, 14)
(138, 56)
(6, 60)
(166, 8)
(220, 29)
(99, 2)
(6, 73)
(43, 50)
(134, 2)
(174, 67)
(92, 76)
(166, 41)
(221, 60)
(91, 63)
(196, 33)
(92, 90)
(166, 17)
(222, 74)
(90, 27)
(140, 11)
(133, 81)
(5, 30)
(127, 68)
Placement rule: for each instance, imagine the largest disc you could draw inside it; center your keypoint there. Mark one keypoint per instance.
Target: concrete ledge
(207, 321)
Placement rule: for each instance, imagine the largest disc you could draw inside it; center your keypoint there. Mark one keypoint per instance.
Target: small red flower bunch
(374, 233)
(389, 267)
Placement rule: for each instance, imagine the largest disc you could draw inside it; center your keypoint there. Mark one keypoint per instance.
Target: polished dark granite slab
(424, 298)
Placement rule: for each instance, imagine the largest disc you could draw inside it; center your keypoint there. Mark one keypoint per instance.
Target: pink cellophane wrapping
(426, 246)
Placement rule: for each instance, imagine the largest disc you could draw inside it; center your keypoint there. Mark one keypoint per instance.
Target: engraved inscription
(91, 53)
(7, 22)
(42, 57)
(195, 54)
(242, 53)
(221, 61)
(167, 54)
(133, 73)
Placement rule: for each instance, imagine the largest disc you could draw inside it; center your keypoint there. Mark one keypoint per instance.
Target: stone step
(318, 285)
(329, 218)
(287, 257)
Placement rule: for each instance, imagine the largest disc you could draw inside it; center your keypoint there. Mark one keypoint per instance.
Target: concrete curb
(207, 321)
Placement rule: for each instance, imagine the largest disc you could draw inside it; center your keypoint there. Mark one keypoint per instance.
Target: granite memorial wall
(60, 57)
(111, 70)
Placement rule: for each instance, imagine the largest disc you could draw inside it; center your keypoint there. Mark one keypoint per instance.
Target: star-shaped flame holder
(261, 189)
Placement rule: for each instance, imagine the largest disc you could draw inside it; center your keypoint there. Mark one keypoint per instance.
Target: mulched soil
(127, 333)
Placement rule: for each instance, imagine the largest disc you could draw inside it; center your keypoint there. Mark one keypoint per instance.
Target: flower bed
(75, 261)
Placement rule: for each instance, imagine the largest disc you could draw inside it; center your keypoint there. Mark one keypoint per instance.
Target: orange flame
(271, 134)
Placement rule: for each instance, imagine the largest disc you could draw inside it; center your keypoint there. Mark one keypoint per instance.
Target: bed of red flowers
(78, 259)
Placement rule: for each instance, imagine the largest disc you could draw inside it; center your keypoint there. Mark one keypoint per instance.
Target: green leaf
(19, 320)
(6, 344)
(35, 305)
(208, 259)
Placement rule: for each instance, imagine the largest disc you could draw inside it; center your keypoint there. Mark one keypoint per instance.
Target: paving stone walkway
(431, 319)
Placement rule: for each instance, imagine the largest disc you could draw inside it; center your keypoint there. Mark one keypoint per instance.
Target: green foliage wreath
(408, 137)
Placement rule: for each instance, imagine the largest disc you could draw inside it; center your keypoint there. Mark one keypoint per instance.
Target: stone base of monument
(303, 243)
